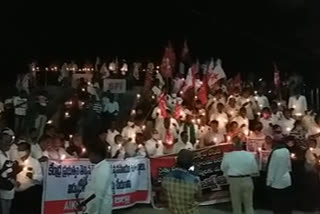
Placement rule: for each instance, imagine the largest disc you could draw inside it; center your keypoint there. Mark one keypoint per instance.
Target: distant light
(49, 122)
(260, 80)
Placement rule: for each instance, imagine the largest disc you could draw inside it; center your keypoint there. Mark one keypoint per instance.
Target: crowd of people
(170, 114)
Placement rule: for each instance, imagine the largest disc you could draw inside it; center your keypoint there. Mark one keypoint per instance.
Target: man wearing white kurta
(221, 117)
(299, 105)
(99, 183)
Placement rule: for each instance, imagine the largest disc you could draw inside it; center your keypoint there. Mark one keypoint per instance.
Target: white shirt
(157, 91)
(239, 163)
(35, 169)
(13, 152)
(242, 121)
(180, 145)
(115, 148)
(250, 107)
(5, 194)
(232, 112)
(129, 132)
(262, 101)
(152, 149)
(20, 106)
(278, 176)
(36, 151)
(223, 120)
(299, 105)
(286, 125)
(100, 184)
(216, 138)
(111, 135)
(111, 107)
(267, 129)
(255, 141)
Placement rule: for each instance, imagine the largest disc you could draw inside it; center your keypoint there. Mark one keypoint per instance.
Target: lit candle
(260, 105)
(13, 137)
(84, 150)
(82, 103)
(196, 97)
(311, 149)
(66, 114)
(143, 127)
(228, 138)
(193, 121)
(133, 112)
(215, 140)
(153, 97)
(158, 67)
(181, 93)
(138, 96)
(49, 121)
(298, 114)
(279, 104)
(33, 69)
(198, 121)
(294, 106)
(109, 147)
(255, 92)
(269, 91)
(83, 89)
(256, 98)
(70, 136)
(63, 156)
(259, 113)
(288, 129)
(140, 146)
(260, 80)
(259, 149)
(248, 100)
(197, 141)
(47, 69)
(293, 156)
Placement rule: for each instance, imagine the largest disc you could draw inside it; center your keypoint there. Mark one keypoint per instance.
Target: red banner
(206, 165)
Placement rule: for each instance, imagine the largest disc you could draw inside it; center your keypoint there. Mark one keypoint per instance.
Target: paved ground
(214, 209)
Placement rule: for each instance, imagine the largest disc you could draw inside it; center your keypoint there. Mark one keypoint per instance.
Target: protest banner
(64, 179)
(207, 163)
(117, 86)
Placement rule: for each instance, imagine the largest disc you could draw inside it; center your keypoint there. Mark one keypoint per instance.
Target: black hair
(185, 159)
(44, 138)
(25, 145)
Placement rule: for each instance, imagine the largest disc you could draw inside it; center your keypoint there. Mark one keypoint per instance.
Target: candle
(133, 112)
(197, 141)
(255, 92)
(84, 150)
(83, 89)
(63, 156)
(13, 138)
(215, 140)
(143, 127)
(294, 106)
(228, 138)
(311, 149)
(260, 105)
(181, 93)
(193, 121)
(248, 100)
(259, 149)
(49, 121)
(279, 104)
(82, 103)
(66, 114)
(196, 97)
(109, 147)
(198, 121)
(140, 146)
(259, 113)
(153, 97)
(260, 80)
(70, 136)
(288, 129)
(138, 96)
(269, 91)
(158, 67)
(293, 156)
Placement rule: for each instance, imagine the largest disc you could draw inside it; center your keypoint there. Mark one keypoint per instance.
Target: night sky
(247, 35)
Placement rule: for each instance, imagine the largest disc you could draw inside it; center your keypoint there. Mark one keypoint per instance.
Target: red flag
(162, 104)
(191, 78)
(277, 80)
(203, 91)
(185, 56)
(168, 62)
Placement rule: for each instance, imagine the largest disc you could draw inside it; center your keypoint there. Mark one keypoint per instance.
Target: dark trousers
(281, 199)
(28, 201)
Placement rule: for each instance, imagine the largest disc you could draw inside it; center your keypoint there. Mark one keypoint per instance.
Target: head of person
(131, 123)
(234, 126)
(243, 112)
(185, 159)
(102, 136)
(312, 143)
(45, 142)
(258, 127)
(50, 130)
(111, 98)
(56, 143)
(290, 141)
(184, 137)
(287, 113)
(139, 138)
(33, 134)
(24, 150)
(96, 152)
(220, 107)
(198, 104)
(155, 134)
(118, 139)
(298, 125)
(214, 124)
(5, 142)
(236, 91)
(246, 93)
(266, 113)
(113, 125)
(274, 107)
(237, 143)
(189, 118)
(232, 102)
(219, 94)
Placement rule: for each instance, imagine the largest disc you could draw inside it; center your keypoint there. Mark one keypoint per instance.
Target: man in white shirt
(20, 111)
(279, 179)
(111, 109)
(129, 132)
(249, 103)
(154, 146)
(28, 182)
(38, 149)
(56, 151)
(299, 105)
(183, 143)
(213, 137)
(221, 117)
(239, 166)
(262, 100)
(111, 133)
(99, 187)
(232, 109)
(117, 149)
(286, 122)
(267, 122)
(6, 196)
(242, 120)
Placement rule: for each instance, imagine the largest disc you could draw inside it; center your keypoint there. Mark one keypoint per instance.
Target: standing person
(129, 132)
(111, 109)
(279, 179)
(183, 143)
(213, 137)
(6, 196)
(20, 111)
(111, 133)
(256, 139)
(243, 121)
(267, 122)
(232, 108)
(286, 122)
(298, 103)
(28, 182)
(154, 146)
(262, 100)
(182, 189)
(40, 122)
(221, 117)
(99, 186)
(239, 167)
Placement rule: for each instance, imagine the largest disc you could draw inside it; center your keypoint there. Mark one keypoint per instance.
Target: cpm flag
(215, 73)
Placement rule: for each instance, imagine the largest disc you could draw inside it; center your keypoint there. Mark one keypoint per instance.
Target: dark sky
(247, 35)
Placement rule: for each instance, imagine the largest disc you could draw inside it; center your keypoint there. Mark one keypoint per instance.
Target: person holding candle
(286, 122)
(267, 121)
(183, 143)
(129, 132)
(232, 108)
(117, 148)
(242, 121)
(298, 103)
(55, 150)
(154, 146)
(249, 103)
(221, 117)
(28, 182)
(256, 138)
(213, 137)
(111, 133)
(262, 100)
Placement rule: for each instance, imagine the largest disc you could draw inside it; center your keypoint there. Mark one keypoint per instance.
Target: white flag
(214, 75)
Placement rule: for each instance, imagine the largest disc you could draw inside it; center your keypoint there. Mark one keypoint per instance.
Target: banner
(206, 165)
(64, 179)
(117, 86)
